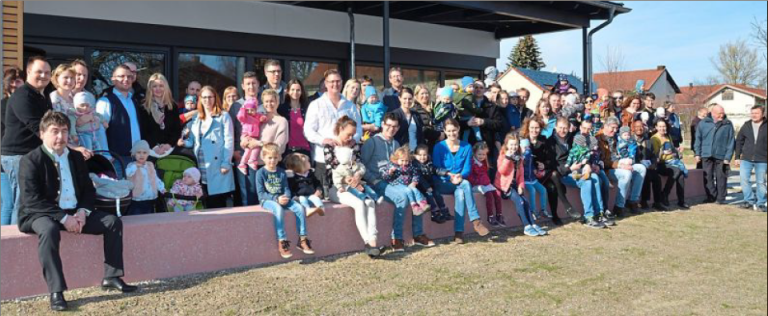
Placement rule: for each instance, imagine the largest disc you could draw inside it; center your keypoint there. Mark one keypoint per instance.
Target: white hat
(84, 97)
(140, 145)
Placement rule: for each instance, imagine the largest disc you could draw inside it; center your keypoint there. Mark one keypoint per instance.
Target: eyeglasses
(275, 72)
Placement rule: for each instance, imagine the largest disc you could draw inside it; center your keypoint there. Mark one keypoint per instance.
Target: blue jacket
(216, 145)
(461, 162)
(715, 140)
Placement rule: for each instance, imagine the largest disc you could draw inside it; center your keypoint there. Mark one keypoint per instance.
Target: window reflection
(105, 61)
(210, 70)
(310, 73)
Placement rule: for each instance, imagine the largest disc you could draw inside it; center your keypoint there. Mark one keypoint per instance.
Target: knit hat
(190, 98)
(562, 77)
(513, 94)
(661, 112)
(194, 173)
(250, 104)
(84, 97)
(369, 91)
(446, 91)
(624, 129)
(580, 140)
(466, 81)
(525, 143)
(140, 145)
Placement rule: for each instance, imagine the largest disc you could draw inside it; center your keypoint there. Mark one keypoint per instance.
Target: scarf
(156, 110)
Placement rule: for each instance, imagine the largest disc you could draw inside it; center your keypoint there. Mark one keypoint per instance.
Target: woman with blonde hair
(352, 93)
(63, 79)
(229, 97)
(160, 122)
(423, 107)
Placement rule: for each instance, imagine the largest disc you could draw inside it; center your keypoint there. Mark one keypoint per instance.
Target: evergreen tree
(526, 54)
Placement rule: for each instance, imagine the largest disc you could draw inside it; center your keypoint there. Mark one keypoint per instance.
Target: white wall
(277, 19)
(737, 110)
(514, 80)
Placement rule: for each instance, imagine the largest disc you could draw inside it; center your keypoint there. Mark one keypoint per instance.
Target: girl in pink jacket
(251, 121)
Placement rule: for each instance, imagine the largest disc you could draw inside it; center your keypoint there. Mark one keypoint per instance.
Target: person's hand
(456, 179)
(737, 162)
(243, 142)
(352, 181)
(224, 170)
(330, 141)
(253, 143)
(180, 142)
(87, 154)
(80, 216)
(319, 193)
(697, 158)
(540, 165)
(283, 200)
(359, 187)
(509, 153)
(72, 224)
(412, 185)
(520, 191)
(727, 162)
(576, 166)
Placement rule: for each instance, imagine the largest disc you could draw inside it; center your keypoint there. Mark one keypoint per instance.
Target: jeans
(277, 211)
(521, 206)
(414, 196)
(311, 201)
(675, 177)
(590, 193)
(141, 208)
(11, 168)
(630, 183)
(368, 193)
(745, 173)
(435, 201)
(396, 195)
(534, 188)
(247, 184)
(7, 197)
(465, 201)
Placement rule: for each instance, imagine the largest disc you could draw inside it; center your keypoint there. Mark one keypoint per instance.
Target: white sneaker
(370, 203)
(380, 200)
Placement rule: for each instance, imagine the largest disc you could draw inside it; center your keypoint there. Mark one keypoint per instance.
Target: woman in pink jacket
(510, 182)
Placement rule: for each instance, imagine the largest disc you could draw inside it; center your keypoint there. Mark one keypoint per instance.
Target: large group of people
(407, 147)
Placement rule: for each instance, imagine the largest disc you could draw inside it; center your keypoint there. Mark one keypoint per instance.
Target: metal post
(385, 20)
(611, 14)
(586, 78)
(351, 42)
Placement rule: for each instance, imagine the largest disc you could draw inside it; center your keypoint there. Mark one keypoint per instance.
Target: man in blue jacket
(715, 140)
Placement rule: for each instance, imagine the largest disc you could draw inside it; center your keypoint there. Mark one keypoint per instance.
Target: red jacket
(478, 175)
(509, 172)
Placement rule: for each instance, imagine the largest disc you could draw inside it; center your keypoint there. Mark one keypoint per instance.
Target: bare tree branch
(737, 63)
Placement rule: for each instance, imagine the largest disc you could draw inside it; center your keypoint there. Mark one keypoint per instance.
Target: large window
(210, 70)
(455, 76)
(103, 62)
(728, 95)
(429, 78)
(310, 73)
(374, 72)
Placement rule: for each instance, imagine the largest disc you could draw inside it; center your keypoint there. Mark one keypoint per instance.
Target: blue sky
(680, 35)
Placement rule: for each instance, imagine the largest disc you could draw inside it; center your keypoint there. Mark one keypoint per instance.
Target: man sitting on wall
(57, 194)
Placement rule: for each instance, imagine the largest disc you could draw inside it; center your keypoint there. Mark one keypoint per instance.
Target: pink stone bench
(174, 244)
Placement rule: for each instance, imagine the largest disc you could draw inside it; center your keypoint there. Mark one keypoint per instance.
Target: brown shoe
(305, 246)
(458, 238)
(316, 210)
(423, 241)
(284, 247)
(480, 228)
(398, 245)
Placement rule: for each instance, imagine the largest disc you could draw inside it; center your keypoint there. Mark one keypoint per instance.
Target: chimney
(690, 85)
(661, 67)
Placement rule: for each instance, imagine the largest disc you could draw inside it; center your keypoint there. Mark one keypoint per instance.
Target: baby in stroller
(187, 186)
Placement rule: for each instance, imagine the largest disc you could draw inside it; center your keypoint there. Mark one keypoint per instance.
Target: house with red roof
(657, 81)
(736, 99)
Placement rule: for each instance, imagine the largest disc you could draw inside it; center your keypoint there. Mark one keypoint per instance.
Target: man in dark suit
(57, 194)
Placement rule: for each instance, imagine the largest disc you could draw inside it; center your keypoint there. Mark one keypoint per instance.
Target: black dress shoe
(557, 222)
(684, 206)
(722, 203)
(746, 206)
(710, 200)
(58, 303)
(117, 284)
(660, 207)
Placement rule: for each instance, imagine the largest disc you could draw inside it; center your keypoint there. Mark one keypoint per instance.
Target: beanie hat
(446, 91)
(190, 98)
(250, 104)
(466, 81)
(84, 97)
(562, 77)
(194, 173)
(513, 94)
(140, 145)
(624, 129)
(369, 91)
(525, 143)
(580, 140)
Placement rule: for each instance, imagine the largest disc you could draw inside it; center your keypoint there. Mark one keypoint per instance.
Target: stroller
(112, 202)
(171, 168)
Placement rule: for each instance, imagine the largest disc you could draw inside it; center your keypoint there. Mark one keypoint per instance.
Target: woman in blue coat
(455, 156)
(211, 135)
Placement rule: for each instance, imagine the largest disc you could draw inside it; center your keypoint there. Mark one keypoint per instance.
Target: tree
(612, 63)
(737, 63)
(526, 54)
(760, 36)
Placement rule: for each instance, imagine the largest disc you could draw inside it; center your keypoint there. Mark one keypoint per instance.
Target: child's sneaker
(500, 220)
(425, 206)
(546, 213)
(480, 228)
(492, 221)
(398, 245)
(305, 245)
(417, 211)
(437, 217)
(530, 231)
(243, 168)
(540, 230)
(447, 214)
(284, 247)
(380, 200)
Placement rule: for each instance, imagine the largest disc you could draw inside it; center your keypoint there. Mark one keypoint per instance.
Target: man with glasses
(138, 90)
(391, 95)
(274, 73)
(119, 107)
(618, 97)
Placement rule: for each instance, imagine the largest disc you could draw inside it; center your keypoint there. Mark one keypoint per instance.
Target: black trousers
(652, 183)
(715, 179)
(321, 174)
(674, 177)
(49, 230)
(556, 192)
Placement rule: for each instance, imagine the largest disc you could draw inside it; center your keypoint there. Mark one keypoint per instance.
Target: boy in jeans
(275, 196)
